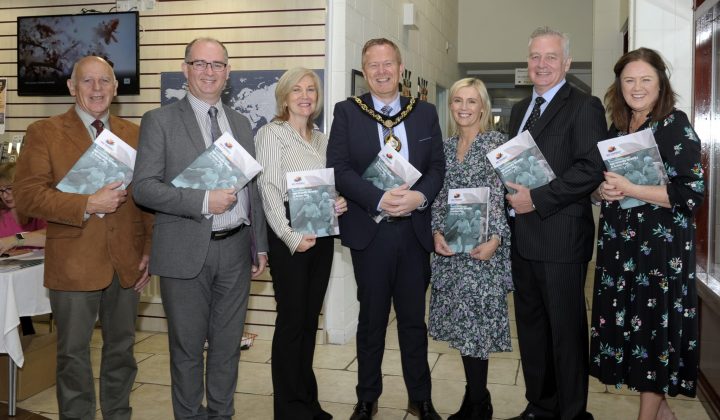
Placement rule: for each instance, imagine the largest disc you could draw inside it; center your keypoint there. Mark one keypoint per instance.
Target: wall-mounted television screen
(48, 46)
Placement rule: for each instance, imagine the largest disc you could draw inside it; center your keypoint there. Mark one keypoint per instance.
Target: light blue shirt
(398, 130)
(548, 96)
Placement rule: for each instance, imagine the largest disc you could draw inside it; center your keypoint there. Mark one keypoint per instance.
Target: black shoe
(465, 408)
(322, 415)
(423, 410)
(364, 410)
(528, 415)
(482, 411)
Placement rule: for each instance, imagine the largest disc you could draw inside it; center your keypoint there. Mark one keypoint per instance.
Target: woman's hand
(610, 190)
(340, 205)
(441, 246)
(307, 242)
(485, 250)
(7, 243)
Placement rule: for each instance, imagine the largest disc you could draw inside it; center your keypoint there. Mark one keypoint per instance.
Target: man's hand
(400, 201)
(258, 269)
(107, 199)
(441, 246)
(144, 278)
(219, 201)
(521, 201)
(307, 242)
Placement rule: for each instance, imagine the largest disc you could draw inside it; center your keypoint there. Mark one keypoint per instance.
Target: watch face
(19, 236)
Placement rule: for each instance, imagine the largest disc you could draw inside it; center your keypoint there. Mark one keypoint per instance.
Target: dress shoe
(527, 415)
(423, 410)
(364, 410)
(482, 411)
(322, 415)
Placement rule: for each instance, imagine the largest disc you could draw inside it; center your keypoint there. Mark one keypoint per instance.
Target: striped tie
(386, 131)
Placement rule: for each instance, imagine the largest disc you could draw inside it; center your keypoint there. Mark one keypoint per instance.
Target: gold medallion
(393, 141)
(385, 122)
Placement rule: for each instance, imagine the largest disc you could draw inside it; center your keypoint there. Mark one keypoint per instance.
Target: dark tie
(215, 132)
(99, 126)
(534, 114)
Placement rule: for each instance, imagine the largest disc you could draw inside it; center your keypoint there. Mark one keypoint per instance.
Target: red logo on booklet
(110, 141)
(297, 179)
(389, 155)
(498, 155)
(456, 195)
(228, 145)
(611, 149)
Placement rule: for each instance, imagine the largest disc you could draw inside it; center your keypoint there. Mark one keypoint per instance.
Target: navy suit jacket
(353, 145)
(561, 229)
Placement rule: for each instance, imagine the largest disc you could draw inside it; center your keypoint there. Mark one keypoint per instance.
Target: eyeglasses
(6, 190)
(201, 65)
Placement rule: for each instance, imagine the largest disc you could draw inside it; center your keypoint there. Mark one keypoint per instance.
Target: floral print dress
(468, 306)
(644, 330)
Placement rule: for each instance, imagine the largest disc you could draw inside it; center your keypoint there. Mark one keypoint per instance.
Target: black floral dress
(644, 330)
(468, 306)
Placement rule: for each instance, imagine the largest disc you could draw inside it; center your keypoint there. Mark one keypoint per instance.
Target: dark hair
(615, 104)
(189, 46)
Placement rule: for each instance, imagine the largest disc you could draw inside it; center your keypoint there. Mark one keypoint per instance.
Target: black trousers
(300, 281)
(553, 335)
(394, 268)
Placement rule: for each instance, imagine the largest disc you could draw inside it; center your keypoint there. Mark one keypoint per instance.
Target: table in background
(21, 294)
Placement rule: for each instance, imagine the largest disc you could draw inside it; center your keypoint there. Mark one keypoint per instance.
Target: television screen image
(48, 46)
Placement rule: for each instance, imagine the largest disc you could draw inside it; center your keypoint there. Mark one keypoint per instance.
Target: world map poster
(249, 92)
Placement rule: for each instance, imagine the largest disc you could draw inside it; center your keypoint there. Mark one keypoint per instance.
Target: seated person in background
(17, 231)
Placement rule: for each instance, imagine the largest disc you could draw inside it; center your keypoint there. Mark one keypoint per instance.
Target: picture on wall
(358, 84)
(249, 92)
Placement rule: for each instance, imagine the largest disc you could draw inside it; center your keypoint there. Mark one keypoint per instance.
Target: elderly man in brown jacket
(97, 246)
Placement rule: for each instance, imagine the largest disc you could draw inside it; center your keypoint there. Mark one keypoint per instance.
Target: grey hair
(548, 31)
(204, 39)
(86, 58)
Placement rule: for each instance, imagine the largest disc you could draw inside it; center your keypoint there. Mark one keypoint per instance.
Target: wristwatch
(499, 238)
(19, 239)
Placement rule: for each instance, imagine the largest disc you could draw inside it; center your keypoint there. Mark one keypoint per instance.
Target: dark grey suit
(550, 250)
(205, 283)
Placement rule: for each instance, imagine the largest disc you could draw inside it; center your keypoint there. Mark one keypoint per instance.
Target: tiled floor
(336, 367)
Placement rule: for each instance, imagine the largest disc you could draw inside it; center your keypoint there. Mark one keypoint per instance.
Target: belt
(219, 235)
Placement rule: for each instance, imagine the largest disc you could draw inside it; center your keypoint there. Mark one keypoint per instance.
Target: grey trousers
(210, 306)
(75, 314)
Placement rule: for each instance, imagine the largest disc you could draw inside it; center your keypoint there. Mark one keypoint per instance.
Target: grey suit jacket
(170, 139)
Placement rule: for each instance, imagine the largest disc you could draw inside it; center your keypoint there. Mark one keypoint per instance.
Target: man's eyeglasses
(6, 190)
(201, 65)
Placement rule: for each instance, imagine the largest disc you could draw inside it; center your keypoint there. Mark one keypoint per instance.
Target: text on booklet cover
(520, 161)
(311, 197)
(107, 160)
(225, 164)
(636, 157)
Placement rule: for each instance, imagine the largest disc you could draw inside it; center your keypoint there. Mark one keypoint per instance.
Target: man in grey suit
(206, 244)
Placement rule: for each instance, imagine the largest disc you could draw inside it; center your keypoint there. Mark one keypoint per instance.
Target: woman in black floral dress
(468, 306)
(644, 322)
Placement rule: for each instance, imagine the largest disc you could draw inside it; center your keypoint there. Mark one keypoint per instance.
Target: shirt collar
(88, 119)
(395, 103)
(550, 94)
(202, 106)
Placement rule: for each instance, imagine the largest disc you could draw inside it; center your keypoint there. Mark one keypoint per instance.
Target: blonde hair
(7, 174)
(284, 87)
(486, 122)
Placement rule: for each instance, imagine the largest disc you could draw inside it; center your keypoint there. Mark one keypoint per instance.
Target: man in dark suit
(391, 258)
(97, 246)
(552, 233)
(207, 243)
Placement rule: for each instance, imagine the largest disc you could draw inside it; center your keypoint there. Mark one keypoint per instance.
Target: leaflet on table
(311, 196)
(225, 164)
(390, 170)
(637, 158)
(519, 160)
(466, 222)
(13, 264)
(107, 160)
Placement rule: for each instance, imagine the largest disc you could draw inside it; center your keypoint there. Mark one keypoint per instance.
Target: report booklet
(636, 157)
(107, 160)
(390, 170)
(311, 196)
(225, 164)
(519, 160)
(466, 221)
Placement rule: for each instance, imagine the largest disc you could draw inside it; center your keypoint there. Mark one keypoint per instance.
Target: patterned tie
(535, 114)
(385, 130)
(99, 126)
(215, 132)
